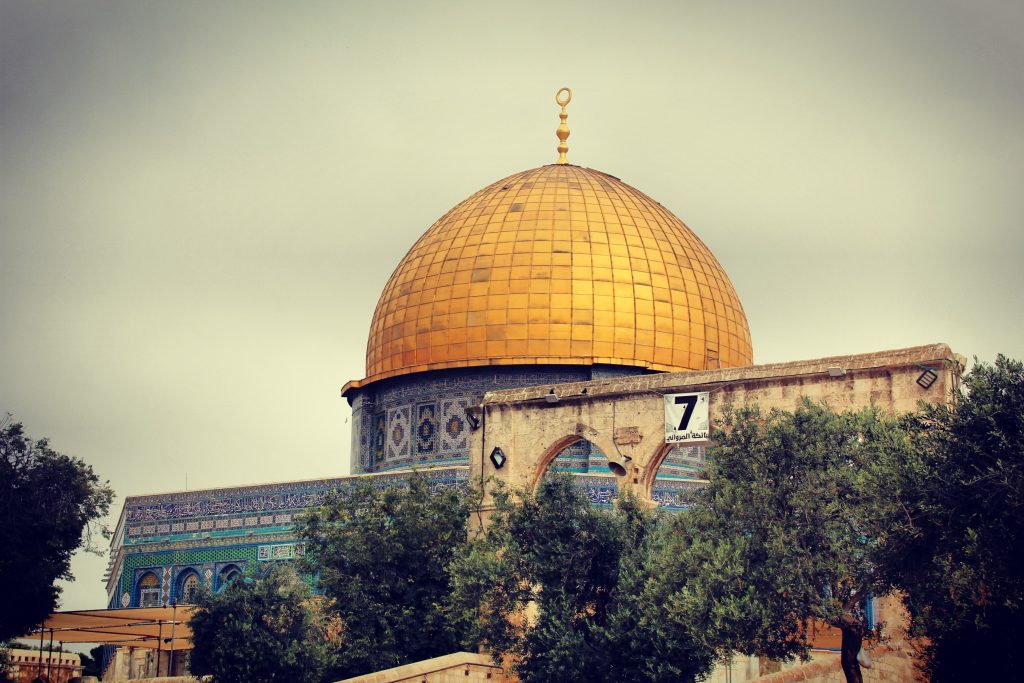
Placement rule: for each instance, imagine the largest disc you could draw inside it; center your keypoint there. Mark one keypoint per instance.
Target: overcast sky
(200, 202)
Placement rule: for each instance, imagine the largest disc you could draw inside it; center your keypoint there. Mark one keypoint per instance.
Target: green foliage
(555, 584)
(272, 629)
(783, 533)
(92, 663)
(955, 534)
(382, 555)
(5, 662)
(49, 503)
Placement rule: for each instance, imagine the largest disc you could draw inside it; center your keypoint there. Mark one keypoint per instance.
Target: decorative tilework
(599, 490)
(454, 428)
(574, 458)
(380, 436)
(426, 429)
(165, 585)
(275, 504)
(398, 437)
(280, 551)
(589, 466)
(687, 462)
(675, 494)
(467, 385)
(239, 543)
(137, 565)
(359, 451)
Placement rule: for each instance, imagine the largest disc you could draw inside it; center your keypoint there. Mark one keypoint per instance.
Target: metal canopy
(158, 628)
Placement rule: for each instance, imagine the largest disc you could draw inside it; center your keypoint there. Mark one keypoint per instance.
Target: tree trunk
(853, 637)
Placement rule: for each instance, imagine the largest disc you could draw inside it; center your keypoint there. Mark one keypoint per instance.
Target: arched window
(589, 465)
(149, 590)
(229, 575)
(189, 588)
(679, 477)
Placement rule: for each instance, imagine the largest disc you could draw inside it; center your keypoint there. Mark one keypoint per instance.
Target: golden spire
(563, 97)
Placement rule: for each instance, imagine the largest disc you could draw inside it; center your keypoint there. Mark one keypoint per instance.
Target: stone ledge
(671, 382)
(882, 669)
(430, 668)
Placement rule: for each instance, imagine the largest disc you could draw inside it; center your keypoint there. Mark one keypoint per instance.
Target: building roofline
(670, 381)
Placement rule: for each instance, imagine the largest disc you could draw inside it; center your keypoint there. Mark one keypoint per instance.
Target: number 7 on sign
(690, 400)
(686, 418)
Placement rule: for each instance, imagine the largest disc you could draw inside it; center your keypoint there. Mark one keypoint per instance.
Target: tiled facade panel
(398, 441)
(677, 480)
(212, 532)
(684, 462)
(581, 457)
(679, 477)
(589, 466)
(420, 419)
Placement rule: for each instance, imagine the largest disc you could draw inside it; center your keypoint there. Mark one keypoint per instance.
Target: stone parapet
(458, 667)
(805, 371)
(532, 425)
(891, 665)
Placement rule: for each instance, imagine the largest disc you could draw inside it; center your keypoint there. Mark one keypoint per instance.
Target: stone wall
(889, 665)
(626, 416)
(459, 667)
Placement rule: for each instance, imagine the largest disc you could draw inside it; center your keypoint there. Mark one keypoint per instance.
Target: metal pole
(174, 622)
(49, 655)
(60, 658)
(40, 667)
(159, 645)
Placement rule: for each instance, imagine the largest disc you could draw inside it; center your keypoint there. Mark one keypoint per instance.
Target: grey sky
(200, 202)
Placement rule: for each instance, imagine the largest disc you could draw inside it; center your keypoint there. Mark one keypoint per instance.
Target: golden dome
(557, 265)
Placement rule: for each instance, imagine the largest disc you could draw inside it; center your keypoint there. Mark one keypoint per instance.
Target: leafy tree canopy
(271, 629)
(5, 663)
(381, 554)
(955, 528)
(92, 663)
(49, 503)
(783, 533)
(555, 585)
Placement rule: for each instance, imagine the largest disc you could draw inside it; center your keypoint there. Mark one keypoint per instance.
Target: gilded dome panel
(558, 265)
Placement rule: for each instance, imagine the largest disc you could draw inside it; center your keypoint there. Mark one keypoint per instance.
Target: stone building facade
(536, 326)
(27, 665)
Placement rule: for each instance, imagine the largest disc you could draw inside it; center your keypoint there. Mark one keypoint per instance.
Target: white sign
(686, 418)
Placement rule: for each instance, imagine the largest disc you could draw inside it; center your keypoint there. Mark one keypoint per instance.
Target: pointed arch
(588, 465)
(228, 575)
(674, 474)
(147, 590)
(189, 584)
(599, 445)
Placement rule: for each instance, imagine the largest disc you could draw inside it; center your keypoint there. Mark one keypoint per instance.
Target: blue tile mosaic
(221, 530)
(436, 402)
